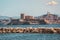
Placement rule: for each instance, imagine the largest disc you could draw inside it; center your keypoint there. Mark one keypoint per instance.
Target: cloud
(52, 3)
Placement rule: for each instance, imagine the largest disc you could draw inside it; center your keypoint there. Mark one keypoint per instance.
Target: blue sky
(29, 7)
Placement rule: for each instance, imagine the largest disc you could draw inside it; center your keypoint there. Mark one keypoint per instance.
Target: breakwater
(30, 30)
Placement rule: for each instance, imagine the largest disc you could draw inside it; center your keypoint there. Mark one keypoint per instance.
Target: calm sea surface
(29, 36)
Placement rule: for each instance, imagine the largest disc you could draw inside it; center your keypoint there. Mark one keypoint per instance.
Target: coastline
(29, 30)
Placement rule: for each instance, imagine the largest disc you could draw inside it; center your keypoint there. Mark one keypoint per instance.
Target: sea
(30, 36)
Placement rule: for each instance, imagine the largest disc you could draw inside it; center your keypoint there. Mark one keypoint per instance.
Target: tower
(22, 16)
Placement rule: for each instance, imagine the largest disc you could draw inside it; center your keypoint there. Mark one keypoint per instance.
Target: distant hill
(4, 17)
(16, 17)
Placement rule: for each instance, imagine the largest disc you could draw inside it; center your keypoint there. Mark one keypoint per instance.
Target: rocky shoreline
(30, 30)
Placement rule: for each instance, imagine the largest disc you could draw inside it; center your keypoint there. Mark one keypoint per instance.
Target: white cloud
(52, 3)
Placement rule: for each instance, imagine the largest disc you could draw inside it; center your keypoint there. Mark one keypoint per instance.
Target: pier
(30, 30)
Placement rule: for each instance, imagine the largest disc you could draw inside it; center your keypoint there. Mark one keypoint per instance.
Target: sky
(29, 7)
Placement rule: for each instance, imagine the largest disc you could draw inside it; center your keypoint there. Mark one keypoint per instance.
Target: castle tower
(22, 16)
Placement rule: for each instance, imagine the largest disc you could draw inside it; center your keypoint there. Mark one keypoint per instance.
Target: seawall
(30, 30)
